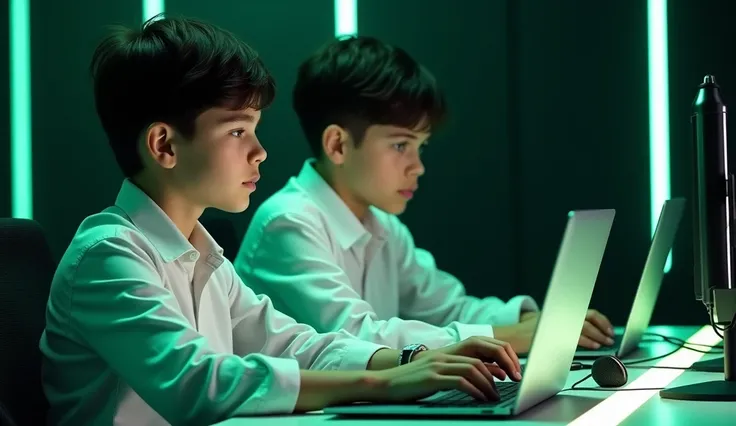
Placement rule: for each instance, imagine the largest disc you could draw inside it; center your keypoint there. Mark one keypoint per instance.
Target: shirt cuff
(283, 391)
(511, 313)
(357, 353)
(469, 330)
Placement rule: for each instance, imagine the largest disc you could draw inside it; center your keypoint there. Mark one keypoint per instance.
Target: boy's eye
(237, 133)
(401, 146)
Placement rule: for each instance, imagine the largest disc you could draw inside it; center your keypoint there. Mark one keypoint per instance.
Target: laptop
(649, 284)
(554, 343)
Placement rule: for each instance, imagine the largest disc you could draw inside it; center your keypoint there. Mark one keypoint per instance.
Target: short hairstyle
(361, 81)
(171, 70)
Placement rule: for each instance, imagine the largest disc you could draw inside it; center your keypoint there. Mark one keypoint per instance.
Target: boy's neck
(331, 176)
(181, 212)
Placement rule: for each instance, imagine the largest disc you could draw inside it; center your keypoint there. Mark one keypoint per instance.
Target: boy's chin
(392, 208)
(234, 208)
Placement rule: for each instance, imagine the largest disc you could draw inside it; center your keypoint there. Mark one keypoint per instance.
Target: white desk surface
(568, 406)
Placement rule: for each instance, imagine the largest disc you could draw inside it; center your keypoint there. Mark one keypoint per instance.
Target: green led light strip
(152, 8)
(21, 166)
(659, 113)
(346, 18)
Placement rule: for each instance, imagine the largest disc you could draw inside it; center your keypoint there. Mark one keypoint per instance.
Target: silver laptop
(649, 284)
(555, 339)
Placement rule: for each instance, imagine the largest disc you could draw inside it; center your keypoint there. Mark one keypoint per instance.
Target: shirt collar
(155, 225)
(348, 228)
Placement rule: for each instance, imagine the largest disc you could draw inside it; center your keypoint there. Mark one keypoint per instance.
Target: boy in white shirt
(147, 322)
(328, 249)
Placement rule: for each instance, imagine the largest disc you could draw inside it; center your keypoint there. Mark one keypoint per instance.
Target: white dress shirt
(147, 328)
(319, 264)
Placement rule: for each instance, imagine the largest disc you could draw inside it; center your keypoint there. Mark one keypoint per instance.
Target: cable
(630, 364)
(612, 389)
(602, 389)
(716, 328)
(684, 343)
(654, 358)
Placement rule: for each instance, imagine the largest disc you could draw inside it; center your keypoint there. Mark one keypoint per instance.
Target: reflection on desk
(594, 408)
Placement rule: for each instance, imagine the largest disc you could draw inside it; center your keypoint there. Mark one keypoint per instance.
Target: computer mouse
(609, 372)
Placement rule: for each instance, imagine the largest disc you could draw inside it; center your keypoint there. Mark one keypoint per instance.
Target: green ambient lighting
(152, 8)
(21, 165)
(659, 108)
(346, 18)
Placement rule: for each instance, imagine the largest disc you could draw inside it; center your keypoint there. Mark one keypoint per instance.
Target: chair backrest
(26, 270)
(5, 419)
(223, 231)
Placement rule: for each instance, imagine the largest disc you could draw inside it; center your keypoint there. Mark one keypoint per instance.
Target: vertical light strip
(617, 407)
(659, 112)
(152, 8)
(21, 163)
(346, 18)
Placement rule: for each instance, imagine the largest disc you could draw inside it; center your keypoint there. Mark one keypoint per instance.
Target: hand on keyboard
(468, 366)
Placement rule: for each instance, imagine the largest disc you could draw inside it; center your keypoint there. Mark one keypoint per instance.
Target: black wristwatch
(408, 352)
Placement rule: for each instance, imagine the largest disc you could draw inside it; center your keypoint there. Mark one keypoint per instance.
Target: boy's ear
(334, 143)
(158, 145)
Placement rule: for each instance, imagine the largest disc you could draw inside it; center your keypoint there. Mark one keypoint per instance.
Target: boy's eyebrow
(400, 134)
(238, 116)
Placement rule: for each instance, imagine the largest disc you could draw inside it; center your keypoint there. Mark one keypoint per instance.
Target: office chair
(26, 270)
(5, 419)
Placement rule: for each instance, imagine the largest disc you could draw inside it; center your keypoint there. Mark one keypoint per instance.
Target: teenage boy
(147, 322)
(328, 249)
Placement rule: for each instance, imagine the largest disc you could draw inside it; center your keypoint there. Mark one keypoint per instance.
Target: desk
(576, 407)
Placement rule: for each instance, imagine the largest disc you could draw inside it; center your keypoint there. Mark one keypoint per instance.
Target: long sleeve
(259, 327)
(121, 309)
(435, 296)
(293, 264)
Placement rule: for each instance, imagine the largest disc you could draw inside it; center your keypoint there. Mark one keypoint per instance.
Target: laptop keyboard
(507, 391)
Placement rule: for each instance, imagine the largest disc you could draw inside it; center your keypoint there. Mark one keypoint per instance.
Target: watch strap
(406, 354)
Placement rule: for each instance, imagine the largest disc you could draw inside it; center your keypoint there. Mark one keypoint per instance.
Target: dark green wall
(4, 118)
(73, 169)
(549, 113)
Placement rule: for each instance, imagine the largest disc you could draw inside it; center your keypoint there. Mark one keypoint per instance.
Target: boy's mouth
(407, 193)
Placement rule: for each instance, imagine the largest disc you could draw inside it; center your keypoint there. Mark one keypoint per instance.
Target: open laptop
(555, 339)
(649, 284)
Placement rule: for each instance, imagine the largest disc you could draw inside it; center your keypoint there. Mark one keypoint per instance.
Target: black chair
(26, 270)
(223, 231)
(5, 419)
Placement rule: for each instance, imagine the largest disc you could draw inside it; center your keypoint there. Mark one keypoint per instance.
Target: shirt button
(193, 257)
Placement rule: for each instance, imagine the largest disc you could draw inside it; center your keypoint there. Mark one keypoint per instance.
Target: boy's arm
(435, 296)
(259, 327)
(292, 263)
(120, 309)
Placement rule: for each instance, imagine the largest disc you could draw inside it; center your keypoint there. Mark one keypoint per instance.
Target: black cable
(716, 328)
(678, 341)
(654, 358)
(613, 389)
(602, 389)
(630, 364)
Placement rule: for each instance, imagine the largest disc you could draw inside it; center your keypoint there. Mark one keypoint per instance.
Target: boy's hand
(597, 331)
(468, 366)
(519, 335)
